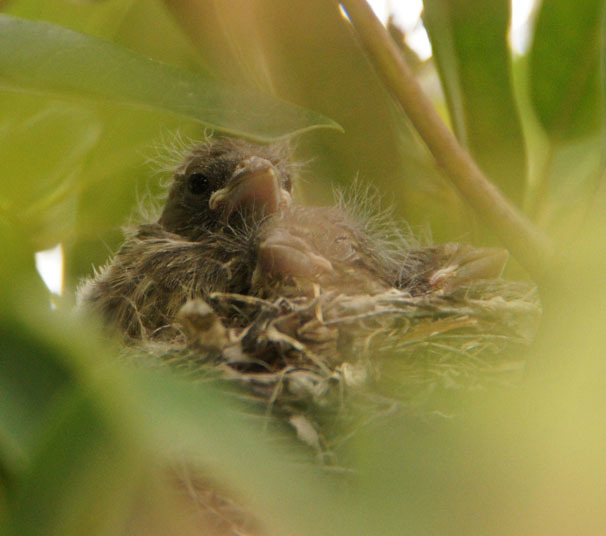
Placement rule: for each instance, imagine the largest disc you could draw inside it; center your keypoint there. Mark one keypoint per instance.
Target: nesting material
(311, 349)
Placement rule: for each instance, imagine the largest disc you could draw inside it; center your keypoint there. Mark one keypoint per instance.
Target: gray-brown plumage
(326, 246)
(203, 241)
(229, 226)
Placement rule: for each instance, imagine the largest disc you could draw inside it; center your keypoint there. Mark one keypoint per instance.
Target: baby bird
(327, 247)
(203, 241)
(229, 225)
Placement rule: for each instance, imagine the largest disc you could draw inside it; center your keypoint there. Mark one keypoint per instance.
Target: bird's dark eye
(197, 183)
(287, 183)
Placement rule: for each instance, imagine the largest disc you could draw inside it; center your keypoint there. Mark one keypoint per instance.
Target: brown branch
(525, 241)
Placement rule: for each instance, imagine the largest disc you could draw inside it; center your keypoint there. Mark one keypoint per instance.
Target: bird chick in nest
(203, 241)
(305, 289)
(309, 247)
(229, 225)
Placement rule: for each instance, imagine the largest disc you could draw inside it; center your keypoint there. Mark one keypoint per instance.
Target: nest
(307, 356)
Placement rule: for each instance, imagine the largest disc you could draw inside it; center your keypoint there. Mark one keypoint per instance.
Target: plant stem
(525, 241)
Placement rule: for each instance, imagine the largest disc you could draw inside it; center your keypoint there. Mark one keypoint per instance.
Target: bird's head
(226, 183)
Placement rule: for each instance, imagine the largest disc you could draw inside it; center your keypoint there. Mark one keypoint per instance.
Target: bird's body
(155, 272)
(329, 247)
(191, 251)
(302, 247)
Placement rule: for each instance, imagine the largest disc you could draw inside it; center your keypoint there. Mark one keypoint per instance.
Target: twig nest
(311, 348)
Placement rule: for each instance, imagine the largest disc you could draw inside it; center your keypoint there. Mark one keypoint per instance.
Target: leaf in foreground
(44, 58)
(469, 40)
(565, 67)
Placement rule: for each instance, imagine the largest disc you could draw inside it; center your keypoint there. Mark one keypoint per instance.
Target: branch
(525, 241)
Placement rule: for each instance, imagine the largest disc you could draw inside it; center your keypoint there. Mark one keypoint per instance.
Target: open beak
(254, 187)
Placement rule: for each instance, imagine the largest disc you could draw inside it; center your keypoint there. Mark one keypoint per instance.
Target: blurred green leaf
(141, 25)
(575, 171)
(31, 376)
(469, 41)
(564, 68)
(82, 478)
(101, 19)
(115, 427)
(39, 165)
(40, 57)
(43, 148)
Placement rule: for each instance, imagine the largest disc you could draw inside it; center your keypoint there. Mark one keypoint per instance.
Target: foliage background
(83, 441)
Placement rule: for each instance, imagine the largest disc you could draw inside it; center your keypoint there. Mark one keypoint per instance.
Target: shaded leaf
(31, 377)
(81, 480)
(43, 148)
(95, 18)
(141, 25)
(40, 149)
(40, 57)
(564, 67)
(117, 427)
(469, 41)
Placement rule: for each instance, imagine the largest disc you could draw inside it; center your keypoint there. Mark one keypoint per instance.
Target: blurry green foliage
(84, 442)
(469, 39)
(39, 57)
(566, 88)
(566, 76)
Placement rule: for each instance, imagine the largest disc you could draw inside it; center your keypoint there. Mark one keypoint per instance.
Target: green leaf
(469, 40)
(82, 478)
(115, 428)
(141, 25)
(39, 149)
(564, 68)
(43, 58)
(31, 377)
(101, 19)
